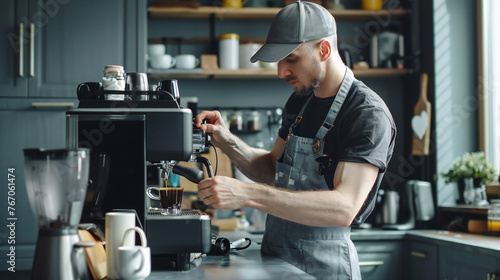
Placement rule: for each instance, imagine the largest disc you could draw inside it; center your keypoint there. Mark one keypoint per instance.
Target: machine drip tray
(156, 212)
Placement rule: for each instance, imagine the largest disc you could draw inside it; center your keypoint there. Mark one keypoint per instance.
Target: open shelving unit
(211, 13)
(260, 73)
(260, 13)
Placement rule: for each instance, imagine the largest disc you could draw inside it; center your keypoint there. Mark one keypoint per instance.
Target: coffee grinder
(56, 183)
(134, 141)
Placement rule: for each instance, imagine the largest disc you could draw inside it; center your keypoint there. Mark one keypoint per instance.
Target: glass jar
(254, 123)
(494, 215)
(113, 79)
(236, 122)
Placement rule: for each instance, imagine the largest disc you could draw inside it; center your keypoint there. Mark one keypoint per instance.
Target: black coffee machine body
(130, 140)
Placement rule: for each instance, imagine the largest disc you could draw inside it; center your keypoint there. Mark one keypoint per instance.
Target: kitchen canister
(246, 52)
(229, 51)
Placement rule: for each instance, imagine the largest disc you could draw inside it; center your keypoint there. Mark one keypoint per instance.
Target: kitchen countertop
(375, 234)
(241, 264)
(249, 264)
(488, 245)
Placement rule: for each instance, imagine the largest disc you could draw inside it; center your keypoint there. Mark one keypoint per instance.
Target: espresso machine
(146, 134)
(56, 183)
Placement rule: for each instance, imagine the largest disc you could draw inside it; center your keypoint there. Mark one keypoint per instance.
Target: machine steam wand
(192, 174)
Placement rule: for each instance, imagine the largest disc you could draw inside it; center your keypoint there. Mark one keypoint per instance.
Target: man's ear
(325, 49)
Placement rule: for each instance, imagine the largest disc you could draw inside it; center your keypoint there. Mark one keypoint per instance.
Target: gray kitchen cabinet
(380, 260)
(436, 259)
(422, 259)
(458, 264)
(11, 82)
(23, 124)
(54, 45)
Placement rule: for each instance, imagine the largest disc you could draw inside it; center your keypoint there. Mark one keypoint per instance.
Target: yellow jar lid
(229, 36)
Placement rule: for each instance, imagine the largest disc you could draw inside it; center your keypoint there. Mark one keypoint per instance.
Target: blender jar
(56, 183)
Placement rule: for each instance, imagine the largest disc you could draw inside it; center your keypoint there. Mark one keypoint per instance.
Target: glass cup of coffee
(170, 199)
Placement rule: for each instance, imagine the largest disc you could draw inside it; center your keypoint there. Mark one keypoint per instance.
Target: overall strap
(299, 117)
(335, 108)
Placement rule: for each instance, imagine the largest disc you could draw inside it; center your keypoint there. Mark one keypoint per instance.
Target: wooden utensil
(421, 121)
(96, 256)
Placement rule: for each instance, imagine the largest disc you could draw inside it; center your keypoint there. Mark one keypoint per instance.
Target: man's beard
(316, 80)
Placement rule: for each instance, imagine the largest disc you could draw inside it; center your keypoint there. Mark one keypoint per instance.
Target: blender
(56, 183)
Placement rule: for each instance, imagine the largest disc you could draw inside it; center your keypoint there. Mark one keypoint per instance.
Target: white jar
(229, 51)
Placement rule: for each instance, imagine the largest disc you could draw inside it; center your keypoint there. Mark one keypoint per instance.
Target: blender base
(59, 256)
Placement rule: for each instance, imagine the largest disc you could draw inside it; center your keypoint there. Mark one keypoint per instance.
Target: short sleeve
(367, 137)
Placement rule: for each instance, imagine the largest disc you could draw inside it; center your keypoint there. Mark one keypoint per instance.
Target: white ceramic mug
(134, 262)
(187, 61)
(117, 223)
(164, 61)
(156, 49)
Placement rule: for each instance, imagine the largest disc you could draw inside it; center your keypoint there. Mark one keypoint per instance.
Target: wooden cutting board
(421, 121)
(96, 256)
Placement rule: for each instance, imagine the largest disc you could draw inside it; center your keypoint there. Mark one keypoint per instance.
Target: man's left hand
(222, 192)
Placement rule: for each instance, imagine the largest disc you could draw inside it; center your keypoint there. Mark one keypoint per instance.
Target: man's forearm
(253, 162)
(314, 208)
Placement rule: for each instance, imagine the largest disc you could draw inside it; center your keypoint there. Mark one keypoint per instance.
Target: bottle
(113, 79)
(494, 215)
(229, 51)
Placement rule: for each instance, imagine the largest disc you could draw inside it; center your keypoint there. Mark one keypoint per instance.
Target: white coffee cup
(246, 52)
(187, 61)
(134, 262)
(164, 61)
(117, 223)
(156, 49)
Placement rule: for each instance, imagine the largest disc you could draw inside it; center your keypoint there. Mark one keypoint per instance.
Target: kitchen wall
(275, 92)
(447, 36)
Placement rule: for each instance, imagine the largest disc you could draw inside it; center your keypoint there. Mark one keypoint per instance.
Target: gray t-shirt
(364, 131)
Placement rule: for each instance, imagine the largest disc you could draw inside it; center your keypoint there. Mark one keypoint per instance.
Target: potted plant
(470, 165)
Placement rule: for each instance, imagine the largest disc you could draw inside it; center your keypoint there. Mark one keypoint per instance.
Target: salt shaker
(229, 51)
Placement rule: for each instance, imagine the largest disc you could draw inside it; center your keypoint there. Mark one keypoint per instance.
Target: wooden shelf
(259, 13)
(261, 73)
(465, 209)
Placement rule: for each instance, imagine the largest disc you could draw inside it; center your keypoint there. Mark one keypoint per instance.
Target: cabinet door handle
(371, 263)
(21, 50)
(492, 276)
(32, 51)
(420, 255)
(52, 104)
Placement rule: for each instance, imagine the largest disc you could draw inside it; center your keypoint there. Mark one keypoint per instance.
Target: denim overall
(324, 252)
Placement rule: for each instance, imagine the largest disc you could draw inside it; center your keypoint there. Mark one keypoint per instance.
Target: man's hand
(215, 127)
(223, 193)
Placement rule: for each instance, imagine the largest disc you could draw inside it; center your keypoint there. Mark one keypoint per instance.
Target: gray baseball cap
(293, 25)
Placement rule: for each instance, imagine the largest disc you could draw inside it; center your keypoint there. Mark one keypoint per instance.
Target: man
(333, 148)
